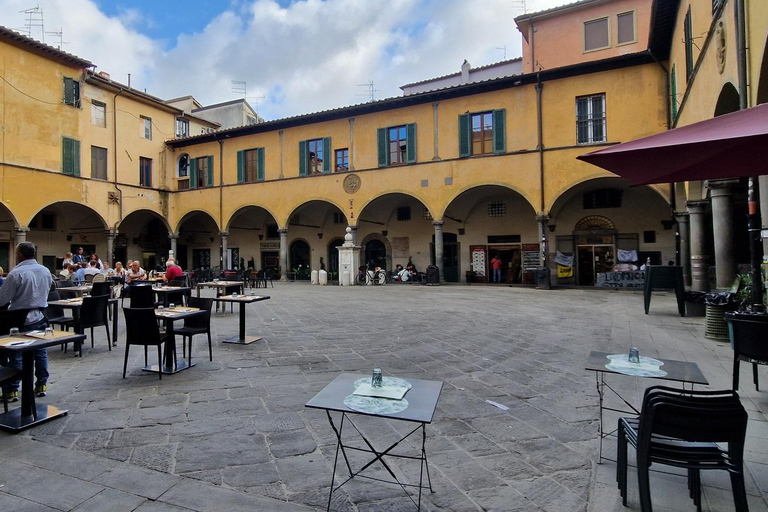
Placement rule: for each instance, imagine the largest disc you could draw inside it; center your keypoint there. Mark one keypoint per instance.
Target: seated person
(135, 273)
(80, 272)
(401, 274)
(414, 274)
(173, 271)
(92, 269)
(71, 273)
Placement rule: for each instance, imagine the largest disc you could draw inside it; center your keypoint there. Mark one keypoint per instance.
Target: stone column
(172, 252)
(543, 221)
(439, 248)
(283, 254)
(699, 260)
(436, 131)
(721, 193)
(21, 236)
(223, 236)
(684, 236)
(109, 257)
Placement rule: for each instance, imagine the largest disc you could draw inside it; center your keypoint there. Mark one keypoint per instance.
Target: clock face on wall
(351, 184)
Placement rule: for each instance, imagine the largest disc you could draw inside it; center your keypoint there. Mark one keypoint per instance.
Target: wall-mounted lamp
(69, 238)
(261, 237)
(668, 224)
(462, 231)
(211, 239)
(384, 233)
(551, 228)
(320, 236)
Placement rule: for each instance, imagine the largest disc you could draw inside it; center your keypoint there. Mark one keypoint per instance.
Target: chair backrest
(93, 313)
(204, 303)
(101, 288)
(14, 318)
(53, 312)
(715, 417)
(142, 296)
(141, 327)
(65, 284)
(750, 338)
(89, 278)
(98, 278)
(178, 282)
(269, 274)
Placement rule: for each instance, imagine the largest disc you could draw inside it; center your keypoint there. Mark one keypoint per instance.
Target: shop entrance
(375, 254)
(270, 260)
(592, 260)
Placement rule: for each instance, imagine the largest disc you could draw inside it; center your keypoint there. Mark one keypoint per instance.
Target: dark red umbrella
(730, 146)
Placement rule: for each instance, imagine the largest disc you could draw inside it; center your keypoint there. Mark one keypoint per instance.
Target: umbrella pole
(755, 244)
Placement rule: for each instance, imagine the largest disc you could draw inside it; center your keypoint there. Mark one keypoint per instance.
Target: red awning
(730, 146)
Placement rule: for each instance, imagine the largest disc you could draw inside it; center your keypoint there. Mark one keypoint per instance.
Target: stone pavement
(233, 434)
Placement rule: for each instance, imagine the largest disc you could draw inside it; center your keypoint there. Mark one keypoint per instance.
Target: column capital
(438, 223)
(283, 231)
(696, 206)
(175, 237)
(221, 233)
(543, 219)
(22, 230)
(682, 217)
(722, 185)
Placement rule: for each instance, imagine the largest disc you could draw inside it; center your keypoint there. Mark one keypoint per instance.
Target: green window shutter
(673, 93)
(193, 173)
(327, 156)
(260, 169)
(76, 157)
(410, 150)
(69, 93)
(66, 155)
(303, 158)
(240, 166)
(499, 131)
(382, 148)
(464, 135)
(210, 171)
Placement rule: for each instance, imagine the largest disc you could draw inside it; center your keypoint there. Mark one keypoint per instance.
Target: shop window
(603, 198)
(70, 156)
(71, 94)
(404, 213)
(625, 26)
(314, 156)
(497, 209)
(397, 145)
(590, 119)
(482, 133)
(98, 114)
(250, 165)
(98, 163)
(596, 34)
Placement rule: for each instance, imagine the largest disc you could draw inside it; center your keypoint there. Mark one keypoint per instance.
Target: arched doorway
(199, 244)
(728, 101)
(143, 236)
(595, 248)
(375, 254)
(299, 259)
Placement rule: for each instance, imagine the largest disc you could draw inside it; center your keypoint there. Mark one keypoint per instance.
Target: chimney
(465, 72)
(104, 74)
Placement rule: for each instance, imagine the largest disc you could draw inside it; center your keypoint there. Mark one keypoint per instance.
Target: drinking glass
(14, 331)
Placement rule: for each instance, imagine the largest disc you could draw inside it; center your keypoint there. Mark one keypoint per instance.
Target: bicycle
(372, 277)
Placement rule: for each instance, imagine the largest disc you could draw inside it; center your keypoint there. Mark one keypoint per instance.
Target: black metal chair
(68, 283)
(183, 295)
(196, 325)
(141, 296)
(682, 428)
(56, 315)
(750, 344)
(93, 313)
(268, 274)
(101, 288)
(141, 329)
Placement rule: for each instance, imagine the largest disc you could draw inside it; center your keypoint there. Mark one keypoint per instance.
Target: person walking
(496, 266)
(26, 287)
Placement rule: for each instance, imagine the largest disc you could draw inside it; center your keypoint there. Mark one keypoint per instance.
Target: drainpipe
(221, 195)
(753, 219)
(542, 218)
(114, 133)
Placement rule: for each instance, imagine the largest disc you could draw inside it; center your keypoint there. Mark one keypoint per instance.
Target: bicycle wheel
(362, 279)
(380, 277)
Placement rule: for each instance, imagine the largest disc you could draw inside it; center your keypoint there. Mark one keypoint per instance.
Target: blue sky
(297, 56)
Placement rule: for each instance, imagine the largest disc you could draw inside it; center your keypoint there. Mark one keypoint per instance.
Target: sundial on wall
(351, 183)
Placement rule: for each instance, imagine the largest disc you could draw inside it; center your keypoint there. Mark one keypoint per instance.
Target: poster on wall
(478, 260)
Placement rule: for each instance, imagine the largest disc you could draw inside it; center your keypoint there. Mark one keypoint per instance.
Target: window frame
(94, 161)
(343, 154)
(145, 172)
(146, 127)
(95, 106)
(584, 34)
(590, 120)
(73, 153)
(384, 144)
(484, 139)
(498, 133)
(184, 124)
(633, 12)
(198, 179)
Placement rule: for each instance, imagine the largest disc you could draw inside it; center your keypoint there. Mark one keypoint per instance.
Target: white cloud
(309, 56)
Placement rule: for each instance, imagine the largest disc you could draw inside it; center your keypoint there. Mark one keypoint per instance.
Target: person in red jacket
(172, 271)
(496, 266)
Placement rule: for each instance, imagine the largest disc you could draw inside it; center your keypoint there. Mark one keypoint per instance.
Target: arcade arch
(253, 231)
(143, 235)
(198, 245)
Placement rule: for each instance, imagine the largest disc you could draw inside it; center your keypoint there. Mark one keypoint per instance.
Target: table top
(20, 342)
(678, 371)
(220, 284)
(167, 289)
(241, 298)
(422, 398)
(78, 288)
(74, 303)
(177, 313)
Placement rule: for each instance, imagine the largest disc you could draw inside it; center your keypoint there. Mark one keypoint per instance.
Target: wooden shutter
(240, 166)
(673, 93)
(69, 91)
(76, 157)
(193, 173)
(303, 158)
(66, 155)
(499, 131)
(465, 133)
(410, 149)
(260, 160)
(327, 156)
(382, 147)
(209, 171)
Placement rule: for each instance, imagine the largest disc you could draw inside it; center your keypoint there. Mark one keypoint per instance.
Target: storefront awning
(730, 146)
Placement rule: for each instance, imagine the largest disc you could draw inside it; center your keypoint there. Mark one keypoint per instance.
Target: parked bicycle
(371, 277)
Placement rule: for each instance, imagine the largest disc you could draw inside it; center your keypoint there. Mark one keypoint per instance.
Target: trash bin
(717, 304)
(433, 276)
(694, 303)
(543, 281)
(754, 316)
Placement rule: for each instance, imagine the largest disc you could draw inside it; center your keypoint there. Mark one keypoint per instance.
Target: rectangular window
(98, 114)
(425, 214)
(71, 94)
(688, 29)
(482, 133)
(45, 221)
(596, 34)
(145, 172)
(397, 145)
(342, 160)
(201, 172)
(649, 237)
(404, 213)
(397, 142)
(251, 165)
(339, 218)
(70, 156)
(590, 119)
(146, 127)
(625, 26)
(182, 127)
(98, 163)
(497, 209)
(316, 156)
(602, 198)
